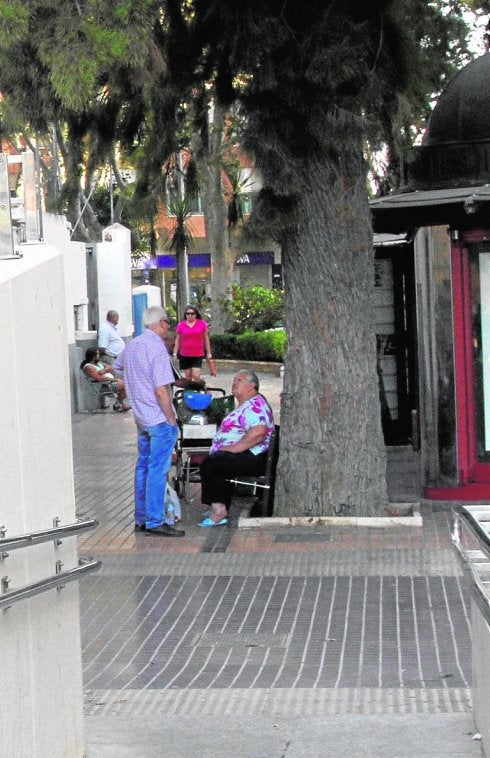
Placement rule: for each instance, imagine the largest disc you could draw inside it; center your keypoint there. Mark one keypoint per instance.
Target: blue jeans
(155, 447)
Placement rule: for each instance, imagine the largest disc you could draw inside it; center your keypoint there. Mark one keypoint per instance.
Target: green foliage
(250, 346)
(314, 79)
(181, 236)
(262, 346)
(13, 19)
(101, 203)
(302, 79)
(235, 192)
(254, 308)
(171, 313)
(224, 345)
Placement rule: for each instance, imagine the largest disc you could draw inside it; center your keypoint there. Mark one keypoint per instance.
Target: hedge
(250, 346)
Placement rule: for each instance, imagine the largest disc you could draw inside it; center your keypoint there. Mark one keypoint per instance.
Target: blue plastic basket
(197, 401)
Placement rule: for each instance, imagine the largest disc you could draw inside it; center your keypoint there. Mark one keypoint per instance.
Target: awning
(389, 240)
(457, 207)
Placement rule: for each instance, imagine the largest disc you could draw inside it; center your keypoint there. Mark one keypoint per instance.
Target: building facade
(251, 264)
(443, 209)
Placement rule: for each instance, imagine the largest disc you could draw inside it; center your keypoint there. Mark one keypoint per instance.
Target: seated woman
(97, 371)
(239, 447)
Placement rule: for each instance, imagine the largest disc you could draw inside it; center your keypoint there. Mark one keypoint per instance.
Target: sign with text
(255, 259)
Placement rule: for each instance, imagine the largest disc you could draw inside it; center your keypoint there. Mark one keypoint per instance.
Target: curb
(371, 521)
(264, 367)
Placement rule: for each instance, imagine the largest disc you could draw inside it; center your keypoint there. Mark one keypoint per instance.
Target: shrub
(224, 345)
(254, 309)
(250, 346)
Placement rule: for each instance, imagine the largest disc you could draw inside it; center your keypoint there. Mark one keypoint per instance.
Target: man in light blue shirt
(110, 343)
(145, 365)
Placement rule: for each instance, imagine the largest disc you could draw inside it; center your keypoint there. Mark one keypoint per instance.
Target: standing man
(110, 343)
(145, 365)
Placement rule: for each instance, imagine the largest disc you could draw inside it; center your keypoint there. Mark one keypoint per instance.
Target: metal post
(111, 195)
(39, 193)
(30, 196)
(6, 237)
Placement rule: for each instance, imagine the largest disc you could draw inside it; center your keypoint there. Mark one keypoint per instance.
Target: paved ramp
(326, 641)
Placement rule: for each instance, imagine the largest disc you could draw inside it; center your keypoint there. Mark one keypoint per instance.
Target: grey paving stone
(343, 736)
(306, 702)
(334, 632)
(337, 642)
(360, 562)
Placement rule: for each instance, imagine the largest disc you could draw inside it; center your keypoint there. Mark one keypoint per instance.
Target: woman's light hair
(153, 315)
(251, 376)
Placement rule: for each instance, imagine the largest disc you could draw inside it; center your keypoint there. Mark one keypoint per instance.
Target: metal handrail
(464, 519)
(46, 535)
(474, 524)
(253, 484)
(58, 580)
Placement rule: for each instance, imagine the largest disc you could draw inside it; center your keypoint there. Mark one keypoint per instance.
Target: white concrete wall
(114, 276)
(41, 694)
(57, 233)
(480, 645)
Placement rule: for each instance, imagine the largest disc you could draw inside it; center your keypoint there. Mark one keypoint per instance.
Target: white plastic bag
(171, 495)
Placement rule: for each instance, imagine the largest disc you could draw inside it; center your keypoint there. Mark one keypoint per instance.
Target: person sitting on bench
(97, 371)
(239, 447)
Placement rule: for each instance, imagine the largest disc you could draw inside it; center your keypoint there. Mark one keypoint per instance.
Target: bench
(263, 486)
(98, 395)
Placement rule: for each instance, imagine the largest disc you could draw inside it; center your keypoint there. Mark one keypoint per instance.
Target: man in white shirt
(109, 342)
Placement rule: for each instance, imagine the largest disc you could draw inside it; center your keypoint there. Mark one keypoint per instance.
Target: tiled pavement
(267, 642)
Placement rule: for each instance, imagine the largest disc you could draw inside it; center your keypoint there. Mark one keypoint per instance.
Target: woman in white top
(97, 371)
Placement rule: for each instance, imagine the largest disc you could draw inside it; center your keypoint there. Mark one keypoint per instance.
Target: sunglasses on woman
(190, 313)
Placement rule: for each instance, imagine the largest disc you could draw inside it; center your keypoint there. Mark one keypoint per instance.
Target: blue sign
(255, 259)
(203, 260)
(197, 260)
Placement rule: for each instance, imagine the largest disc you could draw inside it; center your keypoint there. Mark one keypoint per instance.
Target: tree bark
(87, 227)
(332, 457)
(214, 206)
(183, 296)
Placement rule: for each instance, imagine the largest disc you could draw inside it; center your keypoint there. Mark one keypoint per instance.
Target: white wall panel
(41, 695)
(114, 276)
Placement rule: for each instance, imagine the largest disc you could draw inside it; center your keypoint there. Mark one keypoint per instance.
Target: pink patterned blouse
(255, 411)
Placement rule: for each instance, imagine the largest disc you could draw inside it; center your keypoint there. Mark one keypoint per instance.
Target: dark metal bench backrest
(270, 473)
(265, 482)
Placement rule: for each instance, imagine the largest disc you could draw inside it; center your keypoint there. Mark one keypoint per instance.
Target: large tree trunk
(332, 454)
(215, 213)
